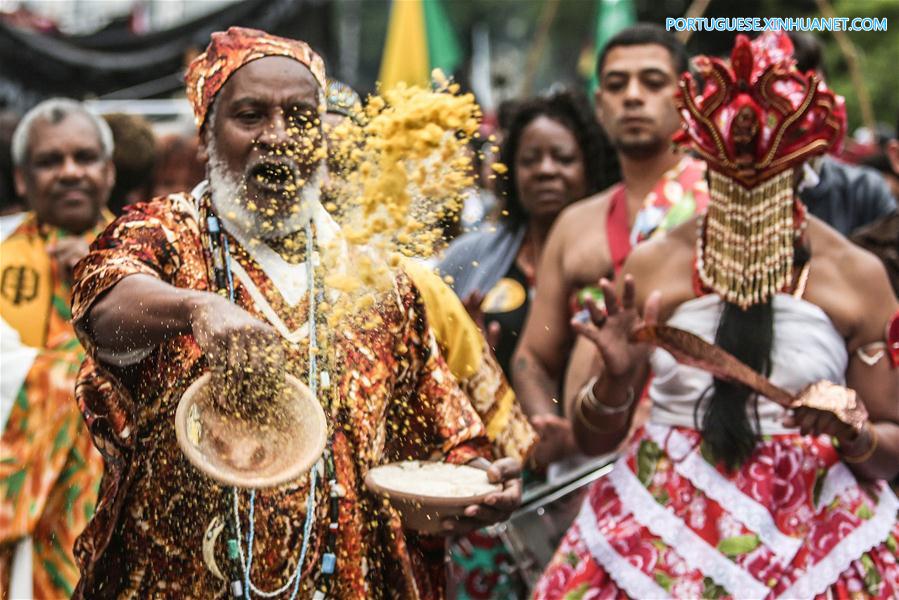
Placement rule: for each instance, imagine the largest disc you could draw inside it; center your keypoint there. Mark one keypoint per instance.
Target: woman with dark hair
(735, 488)
(553, 153)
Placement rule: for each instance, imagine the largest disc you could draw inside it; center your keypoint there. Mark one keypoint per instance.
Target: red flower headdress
(757, 119)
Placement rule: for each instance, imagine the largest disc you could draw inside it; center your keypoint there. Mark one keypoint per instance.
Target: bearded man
(146, 308)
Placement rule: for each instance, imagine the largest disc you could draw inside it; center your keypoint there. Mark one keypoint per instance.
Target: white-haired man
(49, 470)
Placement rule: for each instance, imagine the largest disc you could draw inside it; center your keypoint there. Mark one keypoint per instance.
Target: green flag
(443, 49)
(611, 17)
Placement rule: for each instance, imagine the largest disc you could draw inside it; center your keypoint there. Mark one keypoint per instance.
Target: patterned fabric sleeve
(142, 241)
(435, 415)
(151, 239)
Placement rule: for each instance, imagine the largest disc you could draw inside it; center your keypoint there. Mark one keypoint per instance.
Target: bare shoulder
(851, 284)
(832, 250)
(671, 250)
(577, 243)
(584, 214)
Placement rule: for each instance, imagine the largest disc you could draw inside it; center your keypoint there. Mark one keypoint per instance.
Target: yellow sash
(460, 340)
(29, 283)
(26, 283)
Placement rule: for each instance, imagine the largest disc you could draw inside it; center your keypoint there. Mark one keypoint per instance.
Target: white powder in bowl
(433, 479)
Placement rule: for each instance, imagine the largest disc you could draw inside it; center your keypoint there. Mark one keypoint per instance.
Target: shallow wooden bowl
(251, 453)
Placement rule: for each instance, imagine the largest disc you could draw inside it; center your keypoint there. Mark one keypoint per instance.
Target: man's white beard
(229, 197)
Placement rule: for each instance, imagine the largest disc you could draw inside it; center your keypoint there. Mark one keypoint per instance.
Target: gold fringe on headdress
(745, 251)
(756, 121)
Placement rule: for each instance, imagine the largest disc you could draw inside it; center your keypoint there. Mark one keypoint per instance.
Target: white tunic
(807, 348)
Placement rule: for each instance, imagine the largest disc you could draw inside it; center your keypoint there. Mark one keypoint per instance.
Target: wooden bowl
(425, 493)
(251, 453)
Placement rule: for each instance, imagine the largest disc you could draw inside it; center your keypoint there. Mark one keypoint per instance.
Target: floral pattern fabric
(482, 568)
(49, 469)
(792, 522)
(678, 195)
(392, 398)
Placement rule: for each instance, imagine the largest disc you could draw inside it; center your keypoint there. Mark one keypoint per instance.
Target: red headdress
(757, 119)
(759, 116)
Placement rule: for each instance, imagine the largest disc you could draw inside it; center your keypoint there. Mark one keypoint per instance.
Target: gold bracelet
(579, 414)
(586, 394)
(864, 456)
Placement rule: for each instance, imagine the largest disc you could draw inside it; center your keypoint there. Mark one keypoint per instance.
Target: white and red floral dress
(792, 522)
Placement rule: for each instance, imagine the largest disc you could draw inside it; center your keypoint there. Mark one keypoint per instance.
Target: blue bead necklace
(221, 263)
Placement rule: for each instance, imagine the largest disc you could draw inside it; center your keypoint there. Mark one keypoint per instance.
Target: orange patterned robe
(394, 398)
(49, 469)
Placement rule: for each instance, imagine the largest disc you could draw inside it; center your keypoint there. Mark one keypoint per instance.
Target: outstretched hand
(237, 345)
(610, 322)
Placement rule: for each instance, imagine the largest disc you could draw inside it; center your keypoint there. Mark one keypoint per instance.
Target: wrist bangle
(867, 454)
(579, 414)
(586, 395)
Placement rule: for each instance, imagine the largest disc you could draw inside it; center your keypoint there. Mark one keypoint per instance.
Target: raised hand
(609, 323)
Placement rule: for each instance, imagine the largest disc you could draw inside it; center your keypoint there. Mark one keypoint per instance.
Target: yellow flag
(406, 50)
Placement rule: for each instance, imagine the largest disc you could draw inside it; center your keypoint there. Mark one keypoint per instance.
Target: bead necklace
(222, 275)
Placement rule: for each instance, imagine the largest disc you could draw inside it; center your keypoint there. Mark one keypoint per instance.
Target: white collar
(289, 279)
